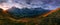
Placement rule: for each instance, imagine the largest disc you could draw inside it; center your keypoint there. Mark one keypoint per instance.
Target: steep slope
(53, 18)
(52, 11)
(56, 13)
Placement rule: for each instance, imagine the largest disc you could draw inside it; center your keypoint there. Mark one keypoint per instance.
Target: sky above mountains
(45, 4)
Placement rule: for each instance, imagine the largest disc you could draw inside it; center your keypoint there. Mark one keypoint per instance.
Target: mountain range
(26, 12)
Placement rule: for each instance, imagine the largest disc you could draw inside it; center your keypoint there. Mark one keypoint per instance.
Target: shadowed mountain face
(1, 10)
(25, 12)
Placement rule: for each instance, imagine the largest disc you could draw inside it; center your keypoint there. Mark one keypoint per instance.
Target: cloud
(45, 4)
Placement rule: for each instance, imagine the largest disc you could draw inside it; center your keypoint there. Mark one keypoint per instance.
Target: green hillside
(52, 19)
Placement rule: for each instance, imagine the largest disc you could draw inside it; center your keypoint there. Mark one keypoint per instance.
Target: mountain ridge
(25, 12)
(52, 11)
